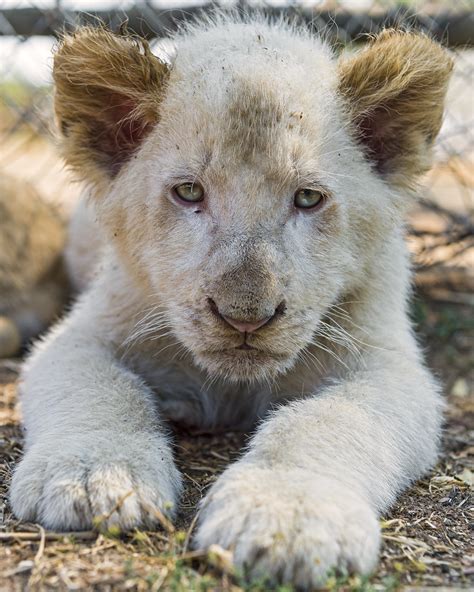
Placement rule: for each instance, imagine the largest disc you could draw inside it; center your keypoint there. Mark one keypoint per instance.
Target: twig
(101, 519)
(85, 535)
(189, 534)
(162, 519)
(42, 544)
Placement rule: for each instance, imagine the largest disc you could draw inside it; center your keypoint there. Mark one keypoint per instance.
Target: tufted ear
(108, 90)
(395, 90)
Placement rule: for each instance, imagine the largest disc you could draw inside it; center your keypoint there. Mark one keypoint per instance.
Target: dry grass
(425, 536)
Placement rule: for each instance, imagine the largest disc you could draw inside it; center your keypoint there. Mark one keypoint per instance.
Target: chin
(251, 366)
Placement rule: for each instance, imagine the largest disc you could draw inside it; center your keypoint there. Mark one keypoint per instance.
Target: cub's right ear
(108, 90)
(395, 89)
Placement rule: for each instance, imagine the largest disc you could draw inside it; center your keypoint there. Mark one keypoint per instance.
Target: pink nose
(246, 327)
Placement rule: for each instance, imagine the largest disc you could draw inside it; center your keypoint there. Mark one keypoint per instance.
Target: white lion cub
(252, 194)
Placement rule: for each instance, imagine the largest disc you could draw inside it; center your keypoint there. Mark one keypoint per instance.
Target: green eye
(308, 198)
(191, 192)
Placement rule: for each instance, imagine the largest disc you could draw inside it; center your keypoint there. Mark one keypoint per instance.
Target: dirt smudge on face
(253, 116)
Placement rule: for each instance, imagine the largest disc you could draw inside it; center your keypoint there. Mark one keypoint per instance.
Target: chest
(188, 396)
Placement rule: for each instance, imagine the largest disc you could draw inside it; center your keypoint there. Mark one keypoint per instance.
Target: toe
(64, 504)
(27, 488)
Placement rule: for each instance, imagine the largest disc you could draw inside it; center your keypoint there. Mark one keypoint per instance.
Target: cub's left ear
(395, 90)
(108, 90)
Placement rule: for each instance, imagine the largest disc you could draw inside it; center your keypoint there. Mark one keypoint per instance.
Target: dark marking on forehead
(253, 114)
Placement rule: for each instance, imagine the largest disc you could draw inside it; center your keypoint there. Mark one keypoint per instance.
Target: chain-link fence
(441, 233)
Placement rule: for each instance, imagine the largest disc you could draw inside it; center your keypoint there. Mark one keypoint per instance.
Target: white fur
(347, 418)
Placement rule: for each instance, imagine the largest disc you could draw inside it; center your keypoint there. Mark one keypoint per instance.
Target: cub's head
(250, 184)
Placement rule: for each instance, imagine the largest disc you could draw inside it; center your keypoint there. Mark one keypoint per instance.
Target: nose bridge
(246, 284)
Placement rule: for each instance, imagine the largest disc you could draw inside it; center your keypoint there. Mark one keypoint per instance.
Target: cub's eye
(191, 192)
(308, 198)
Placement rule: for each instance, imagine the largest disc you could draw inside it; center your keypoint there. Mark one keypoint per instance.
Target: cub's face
(237, 210)
(237, 222)
(246, 200)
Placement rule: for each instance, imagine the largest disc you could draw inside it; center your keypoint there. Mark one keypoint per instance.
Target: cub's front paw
(96, 481)
(289, 526)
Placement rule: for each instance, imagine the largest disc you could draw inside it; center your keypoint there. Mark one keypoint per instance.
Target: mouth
(244, 362)
(244, 357)
(246, 347)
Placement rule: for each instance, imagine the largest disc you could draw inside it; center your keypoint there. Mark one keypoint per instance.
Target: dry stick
(189, 534)
(197, 554)
(42, 544)
(116, 508)
(165, 523)
(220, 456)
(84, 535)
(203, 469)
(162, 519)
(161, 580)
(193, 481)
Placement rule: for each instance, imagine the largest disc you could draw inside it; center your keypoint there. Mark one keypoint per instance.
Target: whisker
(330, 352)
